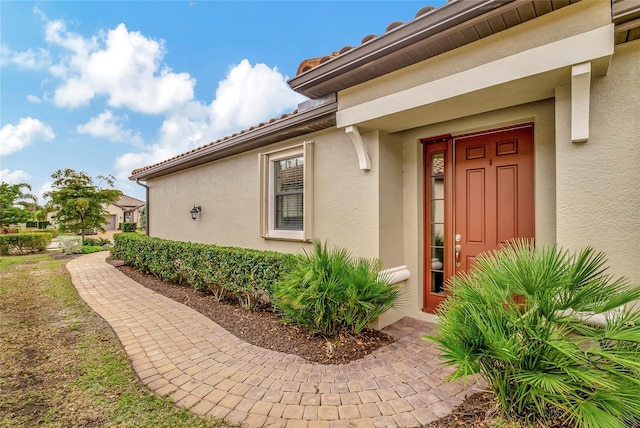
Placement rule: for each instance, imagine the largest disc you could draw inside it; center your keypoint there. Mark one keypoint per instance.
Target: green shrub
(96, 242)
(520, 319)
(88, 249)
(128, 227)
(248, 275)
(328, 291)
(53, 232)
(24, 242)
(37, 224)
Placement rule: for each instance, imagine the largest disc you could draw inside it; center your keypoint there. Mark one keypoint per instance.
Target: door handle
(458, 250)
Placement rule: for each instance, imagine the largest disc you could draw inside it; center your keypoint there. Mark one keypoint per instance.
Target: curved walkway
(181, 354)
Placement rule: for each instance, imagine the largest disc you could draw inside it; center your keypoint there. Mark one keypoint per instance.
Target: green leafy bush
(37, 224)
(128, 227)
(248, 275)
(88, 249)
(524, 319)
(96, 242)
(328, 290)
(53, 232)
(24, 242)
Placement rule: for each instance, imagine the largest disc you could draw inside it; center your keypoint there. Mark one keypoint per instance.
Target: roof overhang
(524, 77)
(455, 24)
(317, 117)
(626, 16)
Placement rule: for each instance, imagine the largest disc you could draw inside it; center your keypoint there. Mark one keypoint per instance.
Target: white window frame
(267, 193)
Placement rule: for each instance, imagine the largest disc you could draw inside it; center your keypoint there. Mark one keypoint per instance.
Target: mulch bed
(262, 326)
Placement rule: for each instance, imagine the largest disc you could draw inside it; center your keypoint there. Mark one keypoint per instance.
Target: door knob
(458, 250)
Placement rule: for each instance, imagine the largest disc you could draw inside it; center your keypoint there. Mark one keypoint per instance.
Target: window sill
(285, 238)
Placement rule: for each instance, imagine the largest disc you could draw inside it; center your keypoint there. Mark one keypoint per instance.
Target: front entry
(478, 193)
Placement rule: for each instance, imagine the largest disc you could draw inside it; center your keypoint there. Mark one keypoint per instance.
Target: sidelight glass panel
(437, 220)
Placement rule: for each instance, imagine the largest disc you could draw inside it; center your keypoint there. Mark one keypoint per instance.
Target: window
(286, 194)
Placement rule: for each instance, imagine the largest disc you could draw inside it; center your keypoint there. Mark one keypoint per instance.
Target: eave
(314, 119)
(453, 25)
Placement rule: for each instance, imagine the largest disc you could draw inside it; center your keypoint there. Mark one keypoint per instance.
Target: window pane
(289, 174)
(289, 212)
(437, 211)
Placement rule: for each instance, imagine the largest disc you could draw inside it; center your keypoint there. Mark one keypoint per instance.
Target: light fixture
(195, 211)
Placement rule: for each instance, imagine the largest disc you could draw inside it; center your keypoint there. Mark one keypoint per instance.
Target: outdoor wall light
(195, 211)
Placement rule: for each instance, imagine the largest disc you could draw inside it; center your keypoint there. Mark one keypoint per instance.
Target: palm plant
(524, 319)
(328, 291)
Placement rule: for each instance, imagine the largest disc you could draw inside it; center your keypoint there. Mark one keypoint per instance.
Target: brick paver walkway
(181, 354)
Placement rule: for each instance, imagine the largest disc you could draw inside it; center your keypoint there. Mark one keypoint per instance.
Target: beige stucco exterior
(561, 72)
(598, 182)
(345, 206)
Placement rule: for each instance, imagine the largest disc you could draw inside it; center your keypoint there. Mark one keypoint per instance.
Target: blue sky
(106, 87)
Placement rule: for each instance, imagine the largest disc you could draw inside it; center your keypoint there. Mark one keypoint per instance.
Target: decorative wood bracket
(580, 92)
(363, 157)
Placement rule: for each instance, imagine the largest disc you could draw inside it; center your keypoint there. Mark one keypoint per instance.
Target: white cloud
(249, 95)
(123, 65)
(29, 59)
(28, 130)
(127, 69)
(111, 127)
(33, 99)
(45, 188)
(13, 177)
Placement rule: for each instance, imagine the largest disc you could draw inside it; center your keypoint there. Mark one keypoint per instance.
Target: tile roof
(432, 32)
(310, 63)
(129, 201)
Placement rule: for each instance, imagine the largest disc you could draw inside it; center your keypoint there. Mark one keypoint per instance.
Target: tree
(11, 198)
(143, 217)
(81, 204)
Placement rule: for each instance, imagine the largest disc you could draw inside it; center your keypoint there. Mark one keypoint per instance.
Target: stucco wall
(598, 182)
(391, 227)
(345, 199)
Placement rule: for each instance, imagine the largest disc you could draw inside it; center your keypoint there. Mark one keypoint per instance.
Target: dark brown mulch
(475, 412)
(261, 327)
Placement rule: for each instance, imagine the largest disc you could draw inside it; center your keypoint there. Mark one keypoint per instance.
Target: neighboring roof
(431, 33)
(311, 116)
(128, 202)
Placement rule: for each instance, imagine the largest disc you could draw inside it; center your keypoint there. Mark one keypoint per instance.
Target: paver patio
(179, 353)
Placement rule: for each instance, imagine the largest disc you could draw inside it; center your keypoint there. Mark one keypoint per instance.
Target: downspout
(146, 208)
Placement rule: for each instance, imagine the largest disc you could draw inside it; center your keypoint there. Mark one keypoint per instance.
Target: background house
(125, 210)
(474, 122)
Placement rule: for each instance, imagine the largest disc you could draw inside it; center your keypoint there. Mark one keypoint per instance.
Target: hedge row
(248, 275)
(53, 232)
(38, 224)
(128, 227)
(24, 242)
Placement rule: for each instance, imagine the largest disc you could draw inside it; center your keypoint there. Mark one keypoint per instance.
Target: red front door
(487, 198)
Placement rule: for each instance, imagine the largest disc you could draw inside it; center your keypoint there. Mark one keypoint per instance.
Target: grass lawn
(61, 365)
